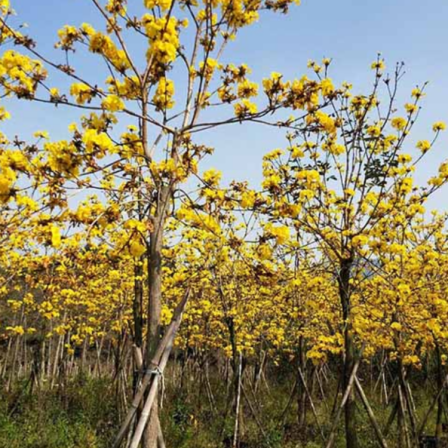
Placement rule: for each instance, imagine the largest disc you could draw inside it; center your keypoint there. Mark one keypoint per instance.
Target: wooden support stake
(341, 407)
(369, 410)
(156, 363)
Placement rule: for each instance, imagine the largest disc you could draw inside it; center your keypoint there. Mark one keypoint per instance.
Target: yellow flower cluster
(164, 5)
(163, 38)
(113, 103)
(20, 74)
(11, 163)
(128, 89)
(61, 157)
(103, 44)
(98, 142)
(245, 108)
(82, 93)
(68, 36)
(163, 97)
(4, 6)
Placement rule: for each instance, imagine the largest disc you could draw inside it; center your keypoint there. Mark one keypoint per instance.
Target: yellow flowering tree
(149, 160)
(341, 178)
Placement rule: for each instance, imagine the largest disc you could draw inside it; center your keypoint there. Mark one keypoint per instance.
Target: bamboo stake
(341, 407)
(322, 392)
(403, 414)
(291, 396)
(369, 410)
(155, 363)
(208, 387)
(407, 404)
(254, 413)
(386, 396)
(238, 400)
(144, 416)
(391, 418)
(434, 402)
(160, 439)
(305, 386)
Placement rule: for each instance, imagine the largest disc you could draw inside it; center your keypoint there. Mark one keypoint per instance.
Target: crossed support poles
(150, 381)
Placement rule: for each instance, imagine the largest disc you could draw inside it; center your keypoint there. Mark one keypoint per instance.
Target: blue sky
(351, 32)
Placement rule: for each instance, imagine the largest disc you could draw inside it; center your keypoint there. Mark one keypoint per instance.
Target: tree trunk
(137, 305)
(349, 360)
(440, 383)
(154, 304)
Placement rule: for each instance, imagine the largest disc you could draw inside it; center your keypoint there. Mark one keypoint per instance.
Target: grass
(84, 415)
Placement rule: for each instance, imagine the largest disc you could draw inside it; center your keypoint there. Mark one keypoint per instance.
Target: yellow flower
(280, 233)
(42, 134)
(374, 130)
(55, 236)
(411, 108)
(94, 140)
(113, 103)
(349, 192)
(136, 248)
(274, 154)
(212, 176)
(378, 65)
(404, 158)
(209, 67)
(271, 181)
(416, 93)
(88, 29)
(4, 6)
(248, 199)
(163, 97)
(4, 114)
(81, 92)
(398, 123)
(16, 330)
(163, 38)
(423, 145)
(73, 127)
(326, 122)
(54, 92)
(439, 126)
(245, 108)
(315, 66)
(327, 87)
(116, 7)
(296, 152)
(164, 4)
(246, 89)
